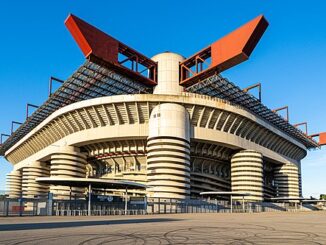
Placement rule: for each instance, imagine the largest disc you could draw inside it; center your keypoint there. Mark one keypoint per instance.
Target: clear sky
(289, 60)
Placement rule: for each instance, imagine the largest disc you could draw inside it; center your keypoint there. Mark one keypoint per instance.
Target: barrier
(38, 206)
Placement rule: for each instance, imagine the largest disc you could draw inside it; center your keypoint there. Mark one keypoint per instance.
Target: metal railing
(84, 212)
(37, 207)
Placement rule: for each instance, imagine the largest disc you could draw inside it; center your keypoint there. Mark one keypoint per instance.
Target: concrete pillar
(30, 187)
(300, 180)
(247, 174)
(168, 73)
(168, 152)
(300, 185)
(68, 163)
(14, 183)
(287, 180)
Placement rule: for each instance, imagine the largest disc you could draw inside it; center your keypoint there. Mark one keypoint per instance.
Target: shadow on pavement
(54, 225)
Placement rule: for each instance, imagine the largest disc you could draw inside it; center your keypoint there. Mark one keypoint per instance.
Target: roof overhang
(287, 198)
(94, 182)
(225, 193)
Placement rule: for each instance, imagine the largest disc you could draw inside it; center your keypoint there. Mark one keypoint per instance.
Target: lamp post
(89, 198)
(126, 201)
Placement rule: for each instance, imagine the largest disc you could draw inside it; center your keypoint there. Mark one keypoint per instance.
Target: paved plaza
(259, 228)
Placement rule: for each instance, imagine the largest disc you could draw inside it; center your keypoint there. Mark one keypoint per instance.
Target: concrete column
(68, 163)
(300, 180)
(14, 183)
(168, 73)
(247, 174)
(30, 187)
(287, 180)
(168, 152)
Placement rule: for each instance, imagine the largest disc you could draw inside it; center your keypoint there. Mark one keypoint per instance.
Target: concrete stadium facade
(178, 143)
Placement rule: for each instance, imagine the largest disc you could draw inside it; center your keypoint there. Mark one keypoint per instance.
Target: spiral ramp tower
(14, 184)
(247, 174)
(30, 187)
(69, 163)
(168, 73)
(168, 144)
(287, 180)
(168, 152)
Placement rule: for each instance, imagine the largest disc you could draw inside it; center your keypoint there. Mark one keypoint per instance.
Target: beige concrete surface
(260, 228)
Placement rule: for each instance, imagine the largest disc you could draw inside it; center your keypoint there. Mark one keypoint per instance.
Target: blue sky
(289, 60)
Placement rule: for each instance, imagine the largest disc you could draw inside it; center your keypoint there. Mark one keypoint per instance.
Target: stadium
(165, 127)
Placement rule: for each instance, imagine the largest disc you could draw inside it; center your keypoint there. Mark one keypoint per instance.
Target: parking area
(209, 228)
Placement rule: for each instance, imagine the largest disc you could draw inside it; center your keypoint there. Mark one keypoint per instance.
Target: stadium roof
(91, 80)
(217, 86)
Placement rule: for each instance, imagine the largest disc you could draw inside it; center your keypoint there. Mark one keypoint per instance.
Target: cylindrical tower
(287, 180)
(14, 184)
(30, 187)
(168, 73)
(247, 174)
(68, 163)
(168, 151)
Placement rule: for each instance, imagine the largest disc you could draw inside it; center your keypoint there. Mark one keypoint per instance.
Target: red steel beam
(99, 46)
(225, 53)
(322, 138)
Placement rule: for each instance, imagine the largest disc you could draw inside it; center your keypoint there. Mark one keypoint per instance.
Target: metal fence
(23, 207)
(158, 206)
(42, 206)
